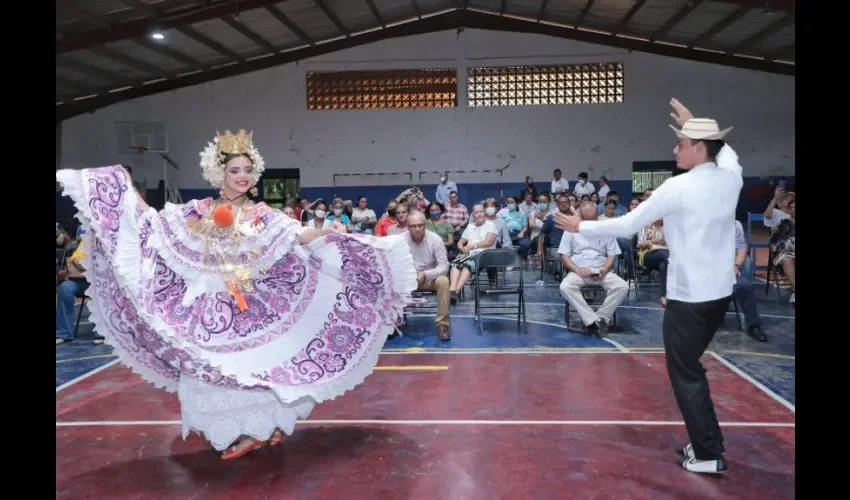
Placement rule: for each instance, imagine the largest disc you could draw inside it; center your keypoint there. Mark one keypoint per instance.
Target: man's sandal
(235, 452)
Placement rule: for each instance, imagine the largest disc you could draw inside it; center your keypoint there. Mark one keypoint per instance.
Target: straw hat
(704, 129)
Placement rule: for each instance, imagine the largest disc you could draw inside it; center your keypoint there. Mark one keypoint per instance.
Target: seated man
(589, 261)
(550, 235)
(429, 258)
(743, 288)
(73, 287)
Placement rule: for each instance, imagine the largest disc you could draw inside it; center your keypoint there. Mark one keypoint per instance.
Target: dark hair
(230, 156)
(603, 178)
(442, 208)
(612, 193)
(610, 203)
(359, 198)
(557, 171)
(128, 168)
(712, 148)
(582, 175)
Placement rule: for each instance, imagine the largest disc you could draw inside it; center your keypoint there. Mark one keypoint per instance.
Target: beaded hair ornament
(212, 157)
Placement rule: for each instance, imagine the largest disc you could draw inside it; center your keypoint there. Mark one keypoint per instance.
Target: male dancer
(698, 209)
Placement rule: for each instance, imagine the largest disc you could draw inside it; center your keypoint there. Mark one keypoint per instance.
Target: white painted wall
(598, 138)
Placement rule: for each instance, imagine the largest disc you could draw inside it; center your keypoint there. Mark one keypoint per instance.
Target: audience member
(594, 198)
(289, 212)
(491, 206)
(530, 188)
(319, 219)
(363, 218)
(743, 288)
(589, 262)
(603, 188)
(516, 223)
(401, 212)
(72, 288)
(445, 188)
(387, 220)
(783, 242)
(559, 185)
(477, 237)
(653, 253)
(429, 258)
(550, 234)
(583, 186)
(536, 218)
(444, 230)
(456, 213)
(528, 205)
(618, 209)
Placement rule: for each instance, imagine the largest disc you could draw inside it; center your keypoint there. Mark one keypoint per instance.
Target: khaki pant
(614, 286)
(440, 286)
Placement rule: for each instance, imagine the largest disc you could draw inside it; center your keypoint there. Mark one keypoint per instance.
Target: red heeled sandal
(235, 452)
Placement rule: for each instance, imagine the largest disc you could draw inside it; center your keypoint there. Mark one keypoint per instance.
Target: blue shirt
(555, 233)
(342, 218)
(444, 190)
(514, 220)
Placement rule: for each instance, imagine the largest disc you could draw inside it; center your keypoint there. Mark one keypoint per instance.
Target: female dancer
(250, 317)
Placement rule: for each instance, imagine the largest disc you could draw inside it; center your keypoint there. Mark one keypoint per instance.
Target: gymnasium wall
(602, 139)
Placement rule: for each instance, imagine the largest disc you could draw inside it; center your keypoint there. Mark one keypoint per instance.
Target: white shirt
(358, 215)
(477, 234)
(698, 208)
(588, 253)
(561, 185)
(603, 192)
(587, 189)
(778, 216)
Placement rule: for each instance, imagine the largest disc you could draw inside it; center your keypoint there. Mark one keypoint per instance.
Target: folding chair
(597, 294)
(500, 258)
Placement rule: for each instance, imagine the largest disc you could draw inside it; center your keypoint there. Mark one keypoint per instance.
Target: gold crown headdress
(234, 144)
(212, 157)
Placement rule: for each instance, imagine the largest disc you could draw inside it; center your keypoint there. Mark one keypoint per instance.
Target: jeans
(744, 293)
(65, 320)
(658, 260)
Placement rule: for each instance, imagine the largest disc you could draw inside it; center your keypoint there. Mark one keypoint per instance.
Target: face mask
(442, 179)
(320, 214)
(436, 215)
(490, 211)
(337, 211)
(583, 182)
(543, 206)
(511, 206)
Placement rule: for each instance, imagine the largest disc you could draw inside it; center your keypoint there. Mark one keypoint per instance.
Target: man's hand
(569, 222)
(584, 272)
(420, 277)
(681, 113)
(603, 272)
(337, 227)
(737, 270)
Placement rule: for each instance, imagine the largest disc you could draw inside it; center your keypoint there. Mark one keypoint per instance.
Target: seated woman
(339, 215)
(320, 218)
(443, 228)
(783, 243)
(73, 286)
(517, 224)
(653, 253)
(477, 237)
(401, 212)
(536, 219)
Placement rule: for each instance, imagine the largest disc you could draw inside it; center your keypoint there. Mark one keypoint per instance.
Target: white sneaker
(718, 466)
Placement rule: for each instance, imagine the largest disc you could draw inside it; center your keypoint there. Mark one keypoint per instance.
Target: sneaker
(692, 464)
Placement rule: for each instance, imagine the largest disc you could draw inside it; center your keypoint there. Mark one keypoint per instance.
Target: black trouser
(657, 259)
(688, 329)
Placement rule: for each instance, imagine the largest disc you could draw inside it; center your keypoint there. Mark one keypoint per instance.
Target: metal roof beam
(724, 23)
(628, 17)
(333, 17)
(88, 69)
(131, 62)
(770, 30)
(172, 54)
(212, 44)
(290, 25)
(376, 13)
(584, 12)
(250, 34)
(448, 21)
(678, 17)
(542, 10)
(143, 27)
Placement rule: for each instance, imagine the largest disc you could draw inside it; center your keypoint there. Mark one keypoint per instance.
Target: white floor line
(86, 375)
(779, 399)
(447, 422)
